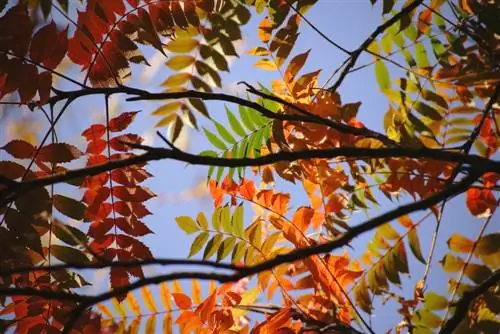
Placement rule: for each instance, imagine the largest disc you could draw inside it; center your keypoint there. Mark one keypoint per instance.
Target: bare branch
(380, 29)
(474, 161)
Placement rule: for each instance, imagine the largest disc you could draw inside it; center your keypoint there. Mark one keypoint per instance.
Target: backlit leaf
(187, 224)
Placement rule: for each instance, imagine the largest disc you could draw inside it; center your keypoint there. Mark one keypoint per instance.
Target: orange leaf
(265, 28)
(221, 320)
(266, 64)
(295, 65)
(459, 243)
(302, 217)
(208, 305)
(247, 189)
(182, 301)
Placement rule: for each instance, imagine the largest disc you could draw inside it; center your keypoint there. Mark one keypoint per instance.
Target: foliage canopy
(289, 166)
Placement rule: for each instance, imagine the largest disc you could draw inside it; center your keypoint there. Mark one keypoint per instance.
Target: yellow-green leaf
(177, 80)
(180, 62)
(182, 45)
(187, 224)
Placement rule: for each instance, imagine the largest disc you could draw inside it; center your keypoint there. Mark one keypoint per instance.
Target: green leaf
(433, 301)
(216, 221)
(428, 111)
(245, 118)
(202, 221)
(237, 221)
(415, 245)
(69, 234)
(235, 124)
(382, 75)
(187, 224)
(225, 248)
(224, 133)
(388, 231)
(427, 318)
(212, 246)
(198, 243)
(488, 244)
(214, 140)
(238, 251)
(225, 218)
(69, 207)
(421, 56)
(68, 254)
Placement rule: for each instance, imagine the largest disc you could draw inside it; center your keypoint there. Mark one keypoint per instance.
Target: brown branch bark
(474, 161)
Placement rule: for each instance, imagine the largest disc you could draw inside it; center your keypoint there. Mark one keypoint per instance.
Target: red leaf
(100, 212)
(28, 82)
(132, 226)
(49, 46)
(100, 228)
(11, 170)
(96, 146)
(123, 208)
(122, 121)
(140, 211)
(140, 251)
(134, 194)
(481, 202)
(15, 30)
(119, 278)
(59, 152)
(94, 132)
(99, 244)
(19, 149)
(44, 86)
(117, 143)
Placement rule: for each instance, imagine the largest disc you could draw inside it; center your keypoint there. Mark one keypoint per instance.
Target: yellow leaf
(119, 307)
(105, 310)
(176, 80)
(180, 62)
(167, 109)
(211, 287)
(177, 286)
(259, 51)
(459, 243)
(148, 299)
(195, 286)
(166, 120)
(151, 325)
(182, 45)
(133, 304)
(165, 297)
(266, 64)
(265, 28)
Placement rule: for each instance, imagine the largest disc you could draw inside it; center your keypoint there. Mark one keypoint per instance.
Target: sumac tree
(296, 174)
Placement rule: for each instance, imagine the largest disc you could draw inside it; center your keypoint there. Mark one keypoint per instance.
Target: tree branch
(476, 162)
(380, 29)
(121, 264)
